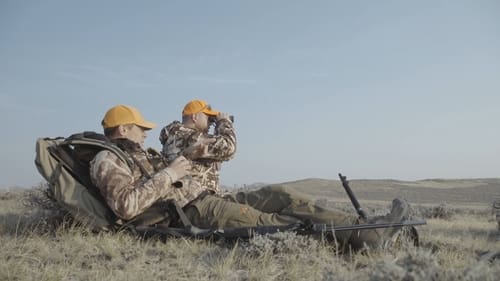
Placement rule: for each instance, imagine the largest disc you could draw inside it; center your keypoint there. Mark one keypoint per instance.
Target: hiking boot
(399, 212)
(380, 237)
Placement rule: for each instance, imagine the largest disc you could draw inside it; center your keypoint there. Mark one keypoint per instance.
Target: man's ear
(194, 117)
(122, 130)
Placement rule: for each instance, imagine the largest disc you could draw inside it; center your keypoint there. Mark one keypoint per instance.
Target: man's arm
(220, 147)
(124, 196)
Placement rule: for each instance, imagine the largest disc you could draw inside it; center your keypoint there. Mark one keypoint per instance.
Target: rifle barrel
(325, 227)
(354, 201)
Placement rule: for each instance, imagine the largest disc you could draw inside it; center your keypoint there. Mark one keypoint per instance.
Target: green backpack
(64, 163)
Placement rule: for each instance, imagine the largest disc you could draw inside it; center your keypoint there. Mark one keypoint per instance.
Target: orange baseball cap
(196, 106)
(124, 114)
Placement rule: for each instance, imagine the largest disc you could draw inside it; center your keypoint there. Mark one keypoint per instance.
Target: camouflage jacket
(221, 146)
(130, 191)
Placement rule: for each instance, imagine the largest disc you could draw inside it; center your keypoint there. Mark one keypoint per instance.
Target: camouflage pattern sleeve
(125, 195)
(219, 147)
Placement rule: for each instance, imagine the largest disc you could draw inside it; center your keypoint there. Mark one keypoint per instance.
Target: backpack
(64, 163)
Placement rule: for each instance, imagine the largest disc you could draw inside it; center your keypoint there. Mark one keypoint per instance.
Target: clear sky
(372, 89)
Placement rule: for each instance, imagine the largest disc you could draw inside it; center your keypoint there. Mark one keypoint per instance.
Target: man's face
(135, 133)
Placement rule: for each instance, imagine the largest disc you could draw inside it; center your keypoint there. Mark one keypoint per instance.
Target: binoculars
(213, 119)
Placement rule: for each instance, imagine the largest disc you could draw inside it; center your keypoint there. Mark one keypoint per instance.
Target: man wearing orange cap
(210, 209)
(130, 191)
(217, 147)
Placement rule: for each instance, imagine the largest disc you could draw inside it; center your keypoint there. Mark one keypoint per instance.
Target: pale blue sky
(372, 89)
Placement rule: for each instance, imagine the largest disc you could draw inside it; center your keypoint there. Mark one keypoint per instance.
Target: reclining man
(130, 192)
(271, 205)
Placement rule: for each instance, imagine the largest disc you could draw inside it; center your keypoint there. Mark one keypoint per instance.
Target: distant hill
(453, 191)
(428, 191)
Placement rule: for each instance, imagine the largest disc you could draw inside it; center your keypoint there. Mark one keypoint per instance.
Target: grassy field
(460, 242)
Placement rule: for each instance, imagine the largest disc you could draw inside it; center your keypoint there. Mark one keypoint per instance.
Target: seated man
(272, 205)
(129, 192)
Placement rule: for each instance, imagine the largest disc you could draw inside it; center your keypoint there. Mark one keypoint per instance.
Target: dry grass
(38, 243)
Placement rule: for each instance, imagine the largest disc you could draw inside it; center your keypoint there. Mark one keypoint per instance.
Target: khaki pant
(271, 205)
(287, 201)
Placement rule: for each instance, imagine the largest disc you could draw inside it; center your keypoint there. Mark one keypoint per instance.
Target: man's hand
(223, 115)
(181, 166)
(199, 149)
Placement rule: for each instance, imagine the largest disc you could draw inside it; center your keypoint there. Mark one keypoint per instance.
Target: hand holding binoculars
(213, 119)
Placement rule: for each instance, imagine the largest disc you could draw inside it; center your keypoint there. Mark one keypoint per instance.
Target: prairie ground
(461, 241)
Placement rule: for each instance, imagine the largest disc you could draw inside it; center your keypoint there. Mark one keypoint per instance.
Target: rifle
(354, 201)
(248, 232)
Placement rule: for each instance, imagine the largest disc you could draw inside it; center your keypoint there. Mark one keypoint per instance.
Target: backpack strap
(184, 219)
(145, 172)
(95, 139)
(55, 174)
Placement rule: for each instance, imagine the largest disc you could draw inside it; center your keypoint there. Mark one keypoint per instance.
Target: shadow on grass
(38, 221)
